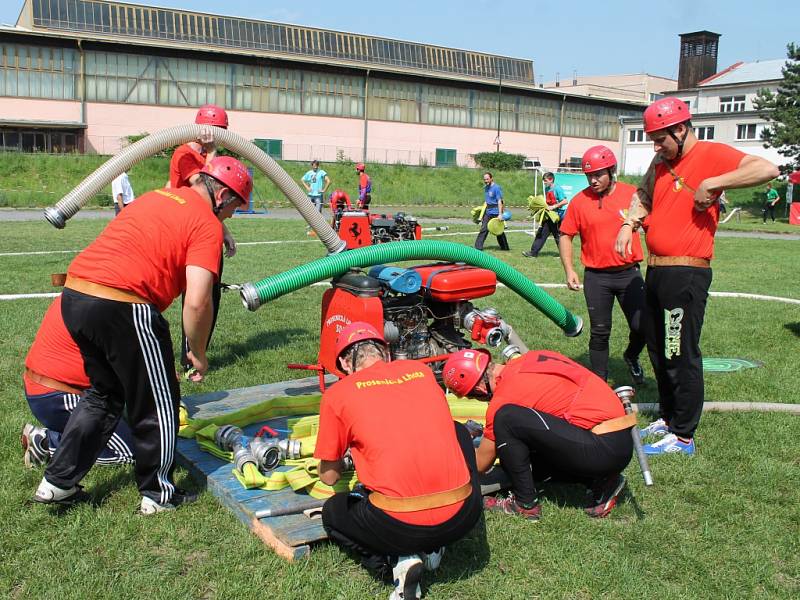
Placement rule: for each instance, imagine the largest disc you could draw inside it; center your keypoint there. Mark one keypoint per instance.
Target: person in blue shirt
(493, 197)
(316, 182)
(556, 200)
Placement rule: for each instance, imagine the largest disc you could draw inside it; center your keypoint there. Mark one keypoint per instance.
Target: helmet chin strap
(680, 142)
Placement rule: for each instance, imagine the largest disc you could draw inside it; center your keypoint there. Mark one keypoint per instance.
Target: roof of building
(747, 72)
(158, 26)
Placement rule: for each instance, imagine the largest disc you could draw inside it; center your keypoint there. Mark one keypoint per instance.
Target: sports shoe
(179, 498)
(47, 493)
(528, 254)
(635, 369)
(510, 506)
(432, 560)
(670, 444)
(34, 443)
(407, 573)
(602, 496)
(658, 428)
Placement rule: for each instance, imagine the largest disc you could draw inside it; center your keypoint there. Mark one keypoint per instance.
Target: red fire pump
(424, 311)
(358, 228)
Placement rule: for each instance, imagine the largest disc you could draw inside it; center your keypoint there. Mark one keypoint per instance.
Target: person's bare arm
(485, 454)
(330, 471)
(229, 241)
(640, 206)
(198, 314)
(565, 252)
(752, 170)
(327, 184)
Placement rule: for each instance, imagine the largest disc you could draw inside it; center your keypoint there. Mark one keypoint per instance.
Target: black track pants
(601, 288)
(676, 306)
(354, 523)
(532, 442)
(546, 229)
(502, 240)
(127, 352)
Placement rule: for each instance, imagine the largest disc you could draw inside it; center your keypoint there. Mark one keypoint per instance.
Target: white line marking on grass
(39, 252)
(27, 296)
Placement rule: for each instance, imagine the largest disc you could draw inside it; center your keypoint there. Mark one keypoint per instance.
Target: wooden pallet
(290, 536)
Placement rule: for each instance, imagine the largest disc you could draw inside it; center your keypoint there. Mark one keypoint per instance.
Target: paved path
(11, 214)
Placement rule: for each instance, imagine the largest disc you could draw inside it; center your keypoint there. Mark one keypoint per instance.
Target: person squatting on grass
(548, 417)
(115, 292)
(595, 215)
(184, 167)
(55, 381)
(417, 466)
(679, 196)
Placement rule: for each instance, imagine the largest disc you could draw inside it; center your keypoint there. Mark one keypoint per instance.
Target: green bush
(498, 161)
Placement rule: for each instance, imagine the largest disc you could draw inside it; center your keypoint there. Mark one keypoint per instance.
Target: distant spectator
(557, 201)
(316, 182)
(723, 203)
(122, 192)
(769, 204)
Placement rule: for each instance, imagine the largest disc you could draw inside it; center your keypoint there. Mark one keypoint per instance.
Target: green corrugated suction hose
(256, 294)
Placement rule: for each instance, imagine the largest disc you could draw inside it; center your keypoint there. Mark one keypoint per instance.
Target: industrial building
(81, 75)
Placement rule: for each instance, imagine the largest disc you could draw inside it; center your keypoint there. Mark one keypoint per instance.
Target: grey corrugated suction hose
(71, 203)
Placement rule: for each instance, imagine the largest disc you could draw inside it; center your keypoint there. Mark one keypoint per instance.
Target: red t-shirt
(395, 419)
(55, 354)
(552, 383)
(675, 227)
(185, 162)
(597, 221)
(147, 248)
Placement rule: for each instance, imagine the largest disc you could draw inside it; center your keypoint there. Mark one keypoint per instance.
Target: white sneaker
(179, 497)
(407, 574)
(47, 493)
(657, 428)
(432, 560)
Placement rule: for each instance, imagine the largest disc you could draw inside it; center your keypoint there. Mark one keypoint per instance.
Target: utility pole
(499, 97)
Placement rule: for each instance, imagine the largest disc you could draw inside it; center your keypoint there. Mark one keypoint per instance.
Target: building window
(731, 104)
(445, 157)
(704, 133)
(636, 135)
(746, 132)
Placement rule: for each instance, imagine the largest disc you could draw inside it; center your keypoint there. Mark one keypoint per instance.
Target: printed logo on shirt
(399, 380)
(175, 197)
(672, 332)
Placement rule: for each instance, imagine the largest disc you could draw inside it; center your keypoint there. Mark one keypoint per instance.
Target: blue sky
(592, 38)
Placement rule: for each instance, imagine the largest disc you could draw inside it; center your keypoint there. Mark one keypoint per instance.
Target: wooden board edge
(282, 549)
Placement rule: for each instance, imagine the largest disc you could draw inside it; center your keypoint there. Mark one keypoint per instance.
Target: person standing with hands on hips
(316, 182)
(493, 197)
(595, 215)
(679, 194)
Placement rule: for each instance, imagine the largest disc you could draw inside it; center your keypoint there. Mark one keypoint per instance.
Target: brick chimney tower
(698, 58)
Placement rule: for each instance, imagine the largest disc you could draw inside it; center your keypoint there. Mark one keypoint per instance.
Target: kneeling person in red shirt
(548, 417)
(417, 465)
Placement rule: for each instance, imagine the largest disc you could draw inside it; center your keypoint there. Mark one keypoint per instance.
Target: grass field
(723, 524)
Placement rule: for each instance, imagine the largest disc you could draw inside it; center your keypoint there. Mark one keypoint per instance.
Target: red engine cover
(340, 308)
(448, 282)
(354, 229)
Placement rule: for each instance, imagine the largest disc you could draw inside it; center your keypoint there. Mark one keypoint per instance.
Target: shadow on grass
(263, 340)
(572, 495)
(793, 327)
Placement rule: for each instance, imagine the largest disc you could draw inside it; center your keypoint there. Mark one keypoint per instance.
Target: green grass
(723, 524)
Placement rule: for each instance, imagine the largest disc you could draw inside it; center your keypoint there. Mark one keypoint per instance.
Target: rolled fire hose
(75, 200)
(260, 292)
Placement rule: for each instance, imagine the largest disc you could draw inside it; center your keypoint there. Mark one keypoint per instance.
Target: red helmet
(360, 167)
(464, 369)
(357, 331)
(665, 113)
(211, 114)
(598, 158)
(231, 173)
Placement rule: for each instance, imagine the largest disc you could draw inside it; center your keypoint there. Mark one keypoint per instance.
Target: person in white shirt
(122, 192)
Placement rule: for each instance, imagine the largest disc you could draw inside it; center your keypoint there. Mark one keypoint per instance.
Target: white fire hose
(71, 203)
